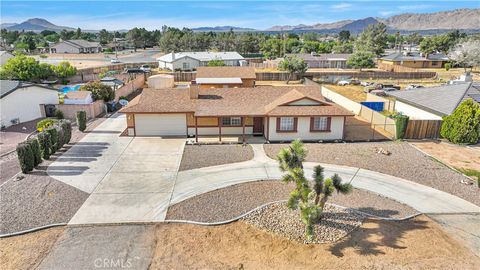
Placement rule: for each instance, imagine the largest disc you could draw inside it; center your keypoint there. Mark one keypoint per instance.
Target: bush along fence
(32, 151)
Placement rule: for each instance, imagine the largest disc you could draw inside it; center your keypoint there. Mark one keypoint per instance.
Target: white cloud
(385, 13)
(342, 6)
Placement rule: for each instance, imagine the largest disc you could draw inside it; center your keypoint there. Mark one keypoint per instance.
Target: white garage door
(160, 125)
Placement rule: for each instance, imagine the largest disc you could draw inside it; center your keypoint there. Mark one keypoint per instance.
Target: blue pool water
(67, 89)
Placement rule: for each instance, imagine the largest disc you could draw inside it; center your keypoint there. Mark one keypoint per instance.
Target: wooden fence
(423, 129)
(396, 68)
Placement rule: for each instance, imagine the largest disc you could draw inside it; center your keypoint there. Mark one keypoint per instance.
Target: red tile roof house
(282, 113)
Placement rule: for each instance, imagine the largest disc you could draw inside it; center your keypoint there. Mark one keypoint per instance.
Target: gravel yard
(335, 224)
(404, 162)
(233, 201)
(36, 199)
(199, 156)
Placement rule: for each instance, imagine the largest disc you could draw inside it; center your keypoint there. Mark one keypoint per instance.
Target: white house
(22, 102)
(76, 46)
(432, 103)
(192, 60)
(4, 56)
(78, 97)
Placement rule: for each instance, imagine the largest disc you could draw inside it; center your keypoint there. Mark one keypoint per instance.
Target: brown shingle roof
(235, 102)
(226, 72)
(77, 94)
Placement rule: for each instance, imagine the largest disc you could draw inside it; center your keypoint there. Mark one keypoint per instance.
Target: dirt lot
(415, 244)
(27, 251)
(452, 73)
(353, 92)
(453, 155)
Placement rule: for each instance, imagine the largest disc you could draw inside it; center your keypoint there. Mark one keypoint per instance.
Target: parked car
(355, 82)
(133, 70)
(389, 89)
(343, 83)
(369, 88)
(366, 83)
(378, 93)
(414, 86)
(146, 68)
(115, 61)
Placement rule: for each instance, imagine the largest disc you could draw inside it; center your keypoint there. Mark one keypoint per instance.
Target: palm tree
(310, 201)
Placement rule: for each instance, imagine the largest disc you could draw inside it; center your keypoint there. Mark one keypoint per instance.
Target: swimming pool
(67, 89)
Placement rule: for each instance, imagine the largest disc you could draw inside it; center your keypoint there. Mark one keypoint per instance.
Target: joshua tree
(311, 201)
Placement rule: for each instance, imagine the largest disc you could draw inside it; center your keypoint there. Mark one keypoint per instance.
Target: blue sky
(113, 15)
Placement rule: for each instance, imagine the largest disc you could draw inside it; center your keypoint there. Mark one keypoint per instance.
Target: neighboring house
(4, 56)
(22, 102)
(76, 46)
(332, 60)
(193, 60)
(433, 103)
(225, 77)
(414, 60)
(280, 113)
(78, 97)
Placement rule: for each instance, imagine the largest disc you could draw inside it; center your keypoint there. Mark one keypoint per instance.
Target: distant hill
(36, 25)
(5, 25)
(454, 19)
(466, 19)
(222, 29)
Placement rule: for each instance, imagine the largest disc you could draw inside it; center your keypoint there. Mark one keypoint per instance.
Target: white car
(343, 83)
(146, 68)
(366, 83)
(115, 61)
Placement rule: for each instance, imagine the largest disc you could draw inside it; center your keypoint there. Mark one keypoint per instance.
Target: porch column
(243, 129)
(219, 119)
(196, 130)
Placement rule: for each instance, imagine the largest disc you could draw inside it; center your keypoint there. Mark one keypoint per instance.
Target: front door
(258, 125)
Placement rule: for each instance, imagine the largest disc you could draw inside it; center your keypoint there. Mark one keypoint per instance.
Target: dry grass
(353, 92)
(452, 73)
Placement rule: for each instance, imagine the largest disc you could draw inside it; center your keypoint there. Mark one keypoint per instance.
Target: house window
(186, 66)
(320, 123)
(231, 121)
(286, 124)
(434, 63)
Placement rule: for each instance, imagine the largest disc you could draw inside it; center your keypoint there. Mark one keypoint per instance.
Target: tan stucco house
(414, 60)
(281, 113)
(225, 77)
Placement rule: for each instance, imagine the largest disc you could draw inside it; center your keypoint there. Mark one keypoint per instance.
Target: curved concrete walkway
(261, 167)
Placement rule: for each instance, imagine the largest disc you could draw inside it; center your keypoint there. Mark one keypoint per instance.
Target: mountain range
(463, 19)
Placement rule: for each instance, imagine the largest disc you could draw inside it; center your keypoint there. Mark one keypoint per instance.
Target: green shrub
(61, 137)
(59, 114)
(53, 138)
(25, 157)
(99, 91)
(45, 123)
(37, 154)
(45, 144)
(43, 55)
(448, 66)
(66, 125)
(82, 120)
(463, 125)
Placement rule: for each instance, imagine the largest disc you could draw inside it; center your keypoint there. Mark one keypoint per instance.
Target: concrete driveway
(130, 179)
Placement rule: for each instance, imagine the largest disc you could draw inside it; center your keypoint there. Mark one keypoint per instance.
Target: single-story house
(193, 60)
(4, 56)
(327, 60)
(78, 97)
(225, 77)
(432, 103)
(23, 101)
(415, 60)
(76, 46)
(281, 113)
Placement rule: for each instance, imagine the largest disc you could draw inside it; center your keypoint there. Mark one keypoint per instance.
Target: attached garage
(161, 124)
